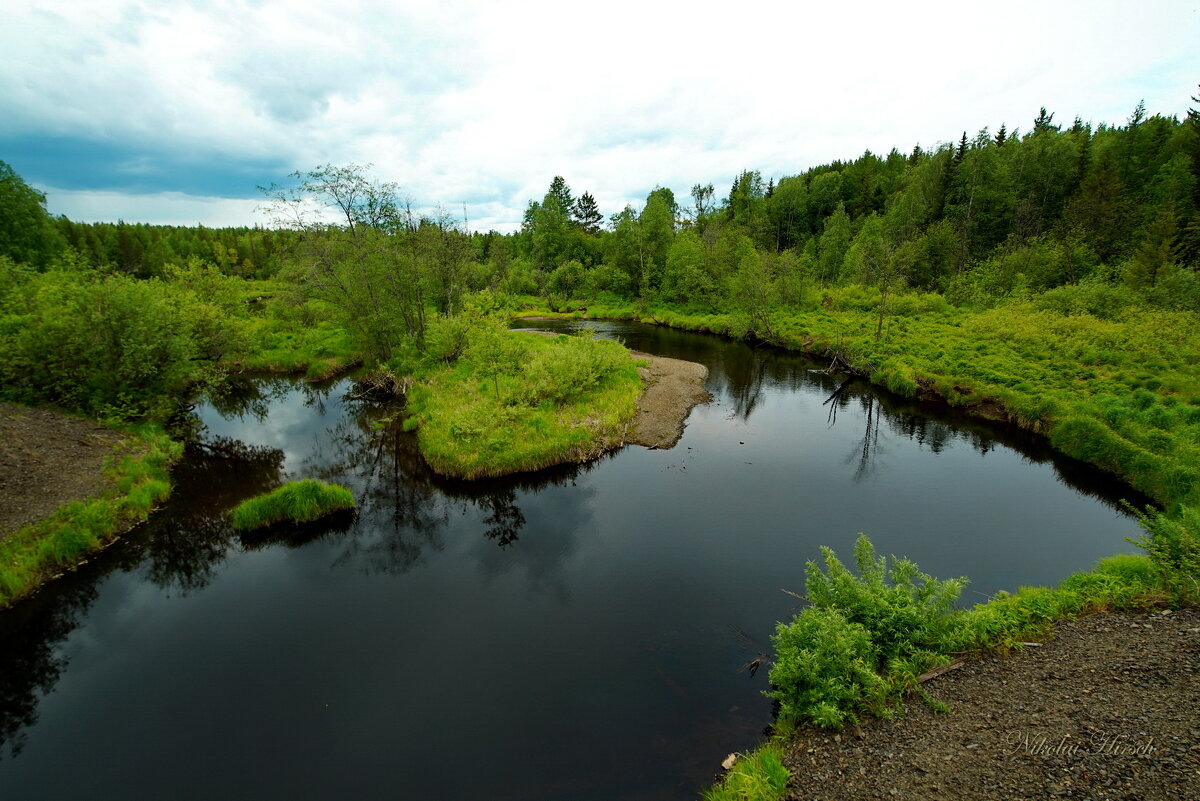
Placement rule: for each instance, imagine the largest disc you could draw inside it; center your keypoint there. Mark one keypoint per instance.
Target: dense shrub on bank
(867, 638)
(296, 501)
(113, 346)
(864, 639)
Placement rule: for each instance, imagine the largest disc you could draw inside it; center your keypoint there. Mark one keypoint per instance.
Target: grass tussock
(296, 501)
(756, 776)
(515, 402)
(138, 481)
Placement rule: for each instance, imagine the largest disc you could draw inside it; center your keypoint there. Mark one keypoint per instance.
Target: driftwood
(937, 671)
(383, 384)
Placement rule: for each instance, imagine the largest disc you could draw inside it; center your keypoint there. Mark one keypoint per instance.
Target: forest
(1046, 276)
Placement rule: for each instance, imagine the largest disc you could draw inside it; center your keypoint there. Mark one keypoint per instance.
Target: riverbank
(1119, 391)
(70, 486)
(1109, 392)
(1104, 709)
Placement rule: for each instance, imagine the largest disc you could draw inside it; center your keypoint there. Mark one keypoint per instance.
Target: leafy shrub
(571, 367)
(905, 611)
(1100, 299)
(96, 345)
(446, 338)
(824, 669)
(1173, 544)
(299, 501)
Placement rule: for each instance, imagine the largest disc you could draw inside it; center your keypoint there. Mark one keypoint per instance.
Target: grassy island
(520, 401)
(296, 501)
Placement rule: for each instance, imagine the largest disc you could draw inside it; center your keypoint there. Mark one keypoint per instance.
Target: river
(580, 633)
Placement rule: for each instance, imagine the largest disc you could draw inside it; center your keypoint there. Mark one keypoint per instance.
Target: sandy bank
(673, 388)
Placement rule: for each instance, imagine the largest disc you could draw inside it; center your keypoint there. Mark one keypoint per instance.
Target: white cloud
(163, 208)
(485, 102)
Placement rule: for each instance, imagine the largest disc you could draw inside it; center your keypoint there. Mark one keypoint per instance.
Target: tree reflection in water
(404, 508)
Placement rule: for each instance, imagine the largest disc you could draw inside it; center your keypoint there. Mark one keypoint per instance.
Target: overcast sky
(174, 112)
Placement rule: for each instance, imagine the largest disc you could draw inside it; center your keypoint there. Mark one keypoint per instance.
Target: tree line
(1001, 214)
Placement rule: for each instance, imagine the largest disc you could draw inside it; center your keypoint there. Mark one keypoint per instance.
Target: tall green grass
(756, 776)
(520, 402)
(319, 351)
(137, 481)
(296, 501)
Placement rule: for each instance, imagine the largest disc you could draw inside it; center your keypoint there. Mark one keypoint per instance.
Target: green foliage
(136, 483)
(296, 501)
(825, 668)
(26, 232)
(111, 346)
(757, 776)
(867, 638)
(864, 640)
(905, 611)
(521, 401)
(1173, 545)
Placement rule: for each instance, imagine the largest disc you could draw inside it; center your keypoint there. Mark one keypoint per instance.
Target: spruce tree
(586, 214)
(1044, 122)
(560, 190)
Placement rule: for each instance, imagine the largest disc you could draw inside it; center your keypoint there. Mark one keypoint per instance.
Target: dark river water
(573, 634)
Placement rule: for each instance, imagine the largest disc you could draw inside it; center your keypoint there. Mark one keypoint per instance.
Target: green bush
(111, 346)
(297, 501)
(905, 611)
(572, 366)
(1173, 545)
(824, 669)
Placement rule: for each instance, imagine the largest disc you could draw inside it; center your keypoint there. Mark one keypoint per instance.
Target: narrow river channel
(575, 634)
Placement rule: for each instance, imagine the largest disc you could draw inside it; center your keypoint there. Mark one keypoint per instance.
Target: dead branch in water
(382, 384)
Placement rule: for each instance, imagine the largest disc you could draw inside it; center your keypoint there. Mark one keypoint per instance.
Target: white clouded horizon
(183, 108)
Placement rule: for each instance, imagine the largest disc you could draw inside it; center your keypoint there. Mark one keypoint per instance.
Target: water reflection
(583, 610)
(30, 662)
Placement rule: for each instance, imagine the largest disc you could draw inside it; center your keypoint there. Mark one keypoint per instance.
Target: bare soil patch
(673, 388)
(1107, 709)
(46, 460)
